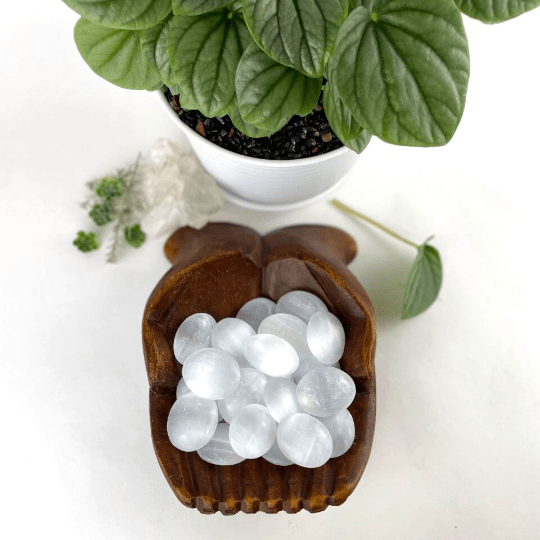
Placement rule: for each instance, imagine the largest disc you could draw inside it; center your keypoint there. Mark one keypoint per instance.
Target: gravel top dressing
(300, 138)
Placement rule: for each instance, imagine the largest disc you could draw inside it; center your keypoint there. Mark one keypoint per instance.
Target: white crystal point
(192, 422)
(325, 391)
(302, 304)
(230, 335)
(326, 337)
(219, 450)
(304, 440)
(276, 456)
(250, 390)
(211, 373)
(271, 355)
(280, 398)
(255, 311)
(341, 428)
(192, 335)
(253, 431)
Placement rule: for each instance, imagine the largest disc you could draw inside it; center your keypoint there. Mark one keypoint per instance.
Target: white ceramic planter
(264, 184)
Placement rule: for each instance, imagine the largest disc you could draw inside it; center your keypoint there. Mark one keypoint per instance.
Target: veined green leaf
(495, 11)
(247, 129)
(342, 122)
(424, 282)
(155, 45)
(402, 69)
(123, 14)
(198, 7)
(116, 55)
(296, 33)
(204, 52)
(270, 94)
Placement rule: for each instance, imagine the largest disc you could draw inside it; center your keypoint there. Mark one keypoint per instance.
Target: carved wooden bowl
(216, 270)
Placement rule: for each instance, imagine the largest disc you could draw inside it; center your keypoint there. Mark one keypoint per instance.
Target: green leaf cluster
(134, 236)
(396, 69)
(86, 242)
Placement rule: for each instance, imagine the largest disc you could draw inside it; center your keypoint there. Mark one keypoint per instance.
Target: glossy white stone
(326, 337)
(304, 440)
(211, 373)
(302, 304)
(276, 456)
(182, 389)
(271, 355)
(341, 428)
(325, 391)
(230, 335)
(255, 311)
(250, 390)
(253, 431)
(219, 450)
(192, 335)
(280, 398)
(192, 422)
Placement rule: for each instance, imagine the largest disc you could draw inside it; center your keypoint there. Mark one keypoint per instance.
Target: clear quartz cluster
(264, 384)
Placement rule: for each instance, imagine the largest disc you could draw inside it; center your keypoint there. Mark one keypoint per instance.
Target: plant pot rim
(272, 163)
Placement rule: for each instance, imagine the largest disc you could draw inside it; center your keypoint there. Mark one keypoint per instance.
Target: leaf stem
(348, 210)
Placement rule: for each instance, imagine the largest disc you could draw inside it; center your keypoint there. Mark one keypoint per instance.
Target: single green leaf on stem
(115, 55)
(102, 213)
(246, 128)
(198, 7)
(134, 235)
(495, 11)
(109, 188)
(122, 14)
(86, 242)
(424, 282)
(402, 69)
(296, 33)
(270, 94)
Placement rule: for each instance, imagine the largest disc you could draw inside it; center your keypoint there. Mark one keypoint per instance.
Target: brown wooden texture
(216, 270)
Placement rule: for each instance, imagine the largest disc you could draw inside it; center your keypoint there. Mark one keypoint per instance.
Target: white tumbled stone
(271, 355)
(193, 334)
(280, 398)
(230, 335)
(218, 450)
(302, 304)
(211, 373)
(304, 440)
(255, 311)
(253, 431)
(325, 337)
(325, 391)
(341, 428)
(276, 456)
(192, 422)
(249, 391)
(182, 389)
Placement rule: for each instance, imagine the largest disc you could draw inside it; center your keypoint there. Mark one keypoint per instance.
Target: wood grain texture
(216, 270)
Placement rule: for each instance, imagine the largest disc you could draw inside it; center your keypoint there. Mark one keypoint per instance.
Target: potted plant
(396, 69)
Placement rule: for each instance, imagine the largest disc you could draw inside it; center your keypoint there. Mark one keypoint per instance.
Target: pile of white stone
(266, 383)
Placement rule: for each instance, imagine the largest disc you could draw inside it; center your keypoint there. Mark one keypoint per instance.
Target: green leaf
(109, 188)
(123, 14)
(424, 282)
(115, 55)
(198, 7)
(495, 11)
(155, 45)
(296, 33)
(402, 69)
(101, 213)
(86, 242)
(270, 94)
(246, 128)
(342, 122)
(204, 53)
(134, 236)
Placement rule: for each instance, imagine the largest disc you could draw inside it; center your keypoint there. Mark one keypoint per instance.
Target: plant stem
(344, 208)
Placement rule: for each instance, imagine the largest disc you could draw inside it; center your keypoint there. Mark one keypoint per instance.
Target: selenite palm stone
(218, 450)
(255, 311)
(192, 422)
(276, 456)
(249, 391)
(280, 398)
(271, 355)
(326, 337)
(302, 304)
(230, 335)
(304, 440)
(325, 391)
(341, 428)
(193, 334)
(211, 373)
(253, 431)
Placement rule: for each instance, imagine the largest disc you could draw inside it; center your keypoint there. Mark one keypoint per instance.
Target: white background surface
(456, 453)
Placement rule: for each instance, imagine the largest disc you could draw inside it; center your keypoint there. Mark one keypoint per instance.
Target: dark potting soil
(300, 138)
